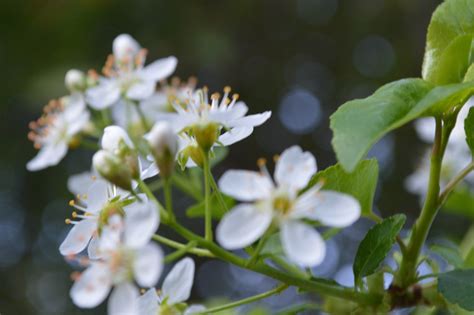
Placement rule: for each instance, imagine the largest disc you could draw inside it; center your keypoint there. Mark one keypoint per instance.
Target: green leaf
(442, 98)
(469, 260)
(376, 245)
(469, 76)
(457, 287)
(218, 211)
(361, 183)
(469, 129)
(218, 154)
(461, 202)
(272, 246)
(450, 254)
(360, 123)
(448, 47)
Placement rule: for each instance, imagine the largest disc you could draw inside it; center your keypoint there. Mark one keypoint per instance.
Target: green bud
(206, 135)
(112, 168)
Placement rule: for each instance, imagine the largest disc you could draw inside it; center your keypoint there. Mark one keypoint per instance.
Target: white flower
(279, 203)
(163, 143)
(75, 80)
(119, 267)
(176, 289)
(126, 77)
(103, 201)
(51, 133)
(228, 115)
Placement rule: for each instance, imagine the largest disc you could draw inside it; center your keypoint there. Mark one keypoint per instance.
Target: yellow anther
(235, 96)
(227, 89)
(74, 214)
(276, 157)
(215, 96)
(67, 221)
(72, 203)
(94, 177)
(261, 162)
(84, 196)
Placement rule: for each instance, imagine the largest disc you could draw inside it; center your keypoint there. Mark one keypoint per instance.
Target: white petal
(124, 114)
(148, 169)
(78, 237)
(141, 222)
(242, 226)
(302, 243)
(195, 308)
(110, 238)
(92, 287)
(235, 135)
(295, 168)
(141, 90)
(97, 196)
(112, 137)
(178, 283)
(239, 110)
(79, 184)
(178, 121)
(48, 155)
(245, 185)
(250, 120)
(331, 208)
(148, 303)
(80, 121)
(125, 47)
(103, 95)
(159, 69)
(148, 265)
(123, 300)
(93, 249)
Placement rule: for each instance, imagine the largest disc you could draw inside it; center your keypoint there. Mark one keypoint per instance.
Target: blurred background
(301, 59)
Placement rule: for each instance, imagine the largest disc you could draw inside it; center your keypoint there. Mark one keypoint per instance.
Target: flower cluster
(141, 126)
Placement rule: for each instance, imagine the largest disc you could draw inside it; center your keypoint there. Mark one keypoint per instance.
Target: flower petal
(195, 308)
(123, 300)
(148, 303)
(179, 281)
(93, 249)
(92, 287)
(148, 265)
(97, 196)
(78, 237)
(79, 184)
(331, 208)
(242, 226)
(103, 95)
(245, 185)
(295, 168)
(141, 90)
(235, 135)
(112, 137)
(302, 243)
(141, 222)
(250, 120)
(159, 69)
(48, 155)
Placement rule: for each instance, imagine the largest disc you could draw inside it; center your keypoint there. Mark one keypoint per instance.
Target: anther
(68, 221)
(261, 162)
(72, 203)
(227, 89)
(276, 157)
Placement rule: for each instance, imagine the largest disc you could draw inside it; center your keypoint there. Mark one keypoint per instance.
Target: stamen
(261, 162)
(276, 157)
(75, 275)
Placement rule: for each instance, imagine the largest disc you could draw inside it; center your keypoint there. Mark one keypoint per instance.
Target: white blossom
(52, 133)
(176, 289)
(126, 77)
(280, 203)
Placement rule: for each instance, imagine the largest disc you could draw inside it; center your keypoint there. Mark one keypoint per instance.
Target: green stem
(456, 180)
(105, 117)
(156, 185)
(144, 122)
(169, 199)
(407, 271)
(289, 267)
(297, 309)
(248, 300)
(144, 187)
(207, 195)
(89, 144)
(180, 252)
(306, 284)
(260, 245)
(220, 198)
(196, 251)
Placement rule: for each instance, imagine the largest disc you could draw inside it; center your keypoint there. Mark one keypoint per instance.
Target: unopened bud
(163, 142)
(194, 153)
(206, 135)
(75, 80)
(116, 138)
(112, 168)
(125, 47)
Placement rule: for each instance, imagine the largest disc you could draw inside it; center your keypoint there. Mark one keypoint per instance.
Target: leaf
(461, 202)
(469, 260)
(217, 210)
(469, 129)
(447, 50)
(360, 123)
(272, 246)
(361, 183)
(469, 76)
(376, 245)
(218, 154)
(457, 287)
(450, 254)
(442, 98)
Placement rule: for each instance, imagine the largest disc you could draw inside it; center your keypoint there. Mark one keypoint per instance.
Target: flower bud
(113, 169)
(125, 47)
(116, 139)
(75, 80)
(193, 152)
(164, 146)
(206, 135)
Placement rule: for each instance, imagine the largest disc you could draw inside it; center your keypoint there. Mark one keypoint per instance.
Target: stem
(289, 267)
(220, 198)
(156, 185)
(251, 299)
(260, 245)
(306, 284)
(89, 144)
(196, 251)
(207, 195)
(456, 180)
(146, 126)
(407, 272)
(180, 252)
(105, 117)
(143, 186)
(168, 199)
(297, 309)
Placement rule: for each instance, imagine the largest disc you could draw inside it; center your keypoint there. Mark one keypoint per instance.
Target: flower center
(110, 209)
(282, 204)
